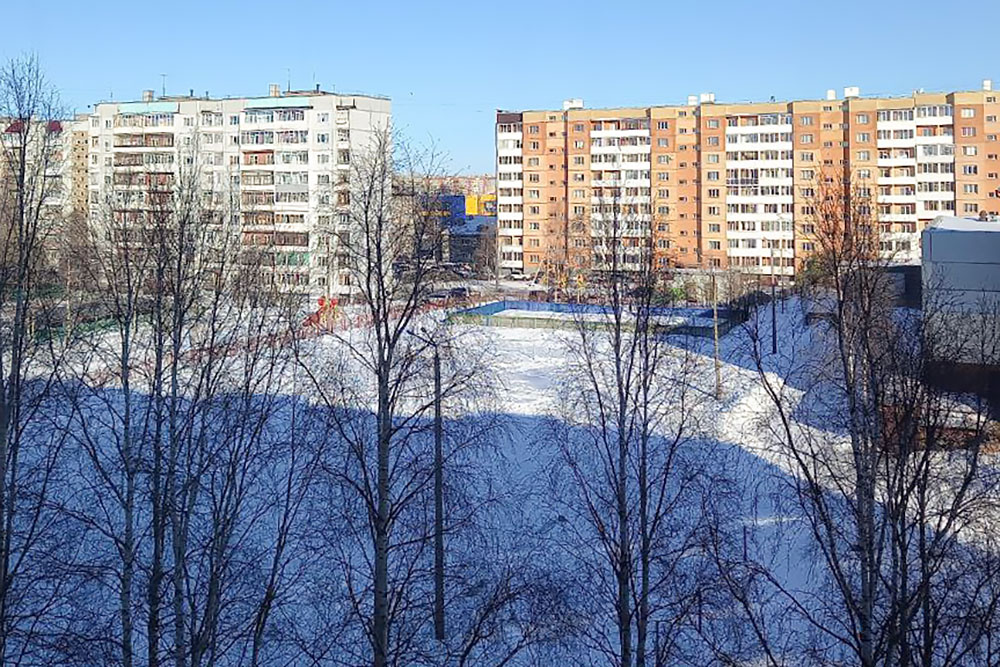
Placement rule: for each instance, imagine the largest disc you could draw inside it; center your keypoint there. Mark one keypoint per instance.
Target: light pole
(715, 336)
(774, 314)
(438, 493)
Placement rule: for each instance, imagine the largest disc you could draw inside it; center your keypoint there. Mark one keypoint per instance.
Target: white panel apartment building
(284, 158)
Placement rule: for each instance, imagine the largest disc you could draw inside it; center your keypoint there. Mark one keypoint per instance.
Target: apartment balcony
(897, 217)
(897, 161)
(897, 198)
(936, 140)
(897, 180)
(897, 143)
(936, 177)
(940, 195)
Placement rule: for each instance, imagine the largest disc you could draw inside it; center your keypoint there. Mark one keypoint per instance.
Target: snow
(948, 223)
(664, 320)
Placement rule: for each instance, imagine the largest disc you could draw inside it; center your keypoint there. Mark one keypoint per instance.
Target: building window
(968, 112)
(806, 139)
(968, 131)
(862, 118)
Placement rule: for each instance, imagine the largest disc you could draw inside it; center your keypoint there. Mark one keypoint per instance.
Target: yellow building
(480, 204)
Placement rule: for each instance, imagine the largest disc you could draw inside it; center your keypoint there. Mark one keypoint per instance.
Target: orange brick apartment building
(719, 185)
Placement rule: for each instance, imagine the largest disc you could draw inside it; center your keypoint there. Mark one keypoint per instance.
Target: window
(663, 125)
(968, 131)
(968, 112)
(970, 170)
(806, 120)
(713, 193)
(864, 155)
(712, 123)
(234, 120)
(970, 189)
(806, 157)
(862, 119)
(532, 129)
(865, 137)
(713, 210)
(969, 150)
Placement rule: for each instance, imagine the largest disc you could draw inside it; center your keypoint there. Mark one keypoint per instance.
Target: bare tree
(38, 551)
(627, 479)
(890, 485)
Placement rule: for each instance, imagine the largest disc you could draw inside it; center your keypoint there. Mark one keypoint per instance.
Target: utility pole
(715, 326)
(438, 503)
(774, 314)
(438, 490)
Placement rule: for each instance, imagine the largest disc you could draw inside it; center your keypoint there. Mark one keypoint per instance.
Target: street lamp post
(438, 503)
(438, 494)
(774, 314)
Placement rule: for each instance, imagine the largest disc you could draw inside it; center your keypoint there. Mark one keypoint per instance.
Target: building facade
(712, 185)
(280, 162)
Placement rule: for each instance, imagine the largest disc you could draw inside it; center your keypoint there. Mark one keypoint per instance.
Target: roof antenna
(163, 84)
(288, 86)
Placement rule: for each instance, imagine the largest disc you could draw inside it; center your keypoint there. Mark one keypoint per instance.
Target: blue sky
(449, 65)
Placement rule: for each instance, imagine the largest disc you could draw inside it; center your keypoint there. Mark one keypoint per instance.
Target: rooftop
(849, 92)
(947, 223)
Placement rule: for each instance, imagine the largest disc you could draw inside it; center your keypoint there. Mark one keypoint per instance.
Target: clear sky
(449, 65)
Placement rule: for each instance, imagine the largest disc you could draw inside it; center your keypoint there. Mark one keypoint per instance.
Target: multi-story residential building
(283, 159)
(709, 185)
(79, 165)
(45, 146)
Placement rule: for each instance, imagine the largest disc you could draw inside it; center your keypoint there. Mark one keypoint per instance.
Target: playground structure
(325, 316)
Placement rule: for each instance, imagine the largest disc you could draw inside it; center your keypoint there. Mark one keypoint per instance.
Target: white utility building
(961, 278)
